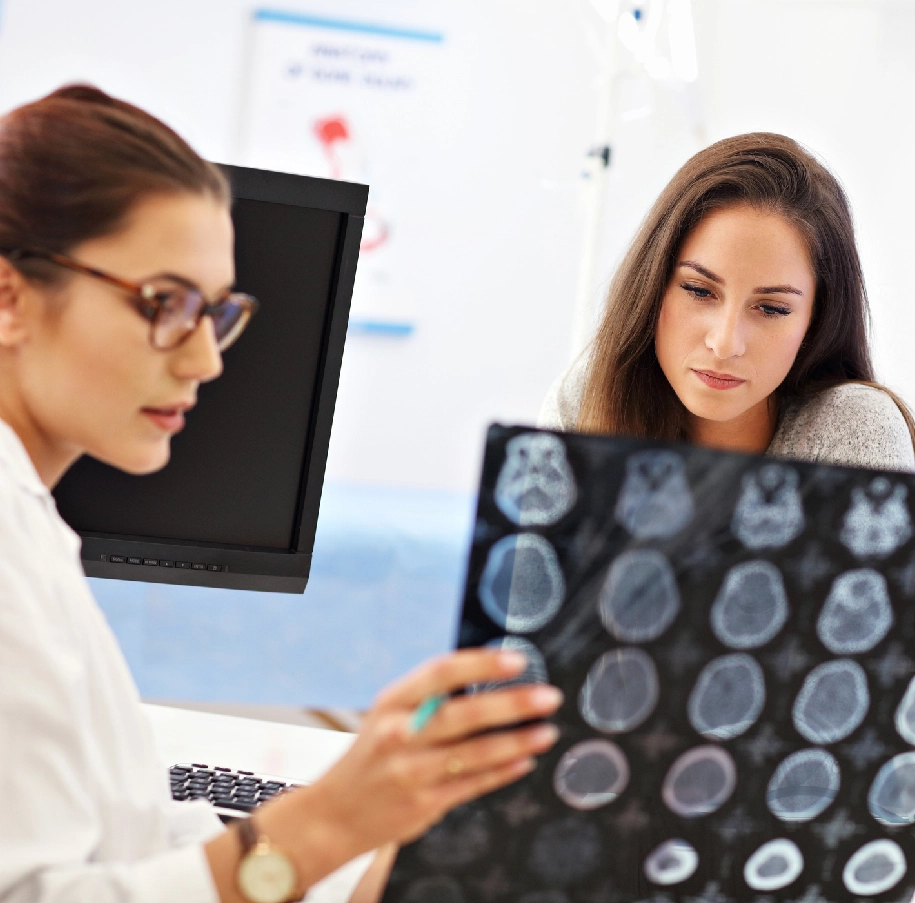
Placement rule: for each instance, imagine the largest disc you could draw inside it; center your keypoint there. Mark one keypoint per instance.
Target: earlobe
(12, 305)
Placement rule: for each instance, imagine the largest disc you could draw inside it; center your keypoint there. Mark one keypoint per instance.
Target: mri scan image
(857, 614)
(639, 599)
(655, 501)
(671, 863)
(804, 785)
(620, 692)
(536, 484)
(832, 703)
(728, 697)
(522, 586)
(769, 513)
(776, 864)
(734, 637)
(591, 774)
(877, 521)
(751, 607)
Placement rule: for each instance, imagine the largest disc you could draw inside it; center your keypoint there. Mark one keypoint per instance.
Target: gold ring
(454, 766)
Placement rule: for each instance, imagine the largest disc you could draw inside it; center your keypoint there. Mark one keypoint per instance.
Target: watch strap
(247, 834)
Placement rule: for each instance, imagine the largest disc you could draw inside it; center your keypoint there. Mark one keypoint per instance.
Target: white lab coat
(85, 810)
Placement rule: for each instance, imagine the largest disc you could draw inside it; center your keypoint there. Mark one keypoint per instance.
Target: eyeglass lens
(179, 314)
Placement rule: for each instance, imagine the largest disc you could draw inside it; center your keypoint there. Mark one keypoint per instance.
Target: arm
(393, 783)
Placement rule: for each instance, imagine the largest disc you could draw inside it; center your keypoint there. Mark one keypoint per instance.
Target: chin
(718, 413)
(137, 461)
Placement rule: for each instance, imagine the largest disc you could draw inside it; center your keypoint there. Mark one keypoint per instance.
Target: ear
(13, 304)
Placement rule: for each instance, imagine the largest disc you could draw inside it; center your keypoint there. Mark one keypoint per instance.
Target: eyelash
(768, 310)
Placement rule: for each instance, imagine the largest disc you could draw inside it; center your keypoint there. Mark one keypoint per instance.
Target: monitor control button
(117, 559)
(133, 560)
(166, 564)
(151, 561)
(198, 567)
(214, 567)
(182, 564)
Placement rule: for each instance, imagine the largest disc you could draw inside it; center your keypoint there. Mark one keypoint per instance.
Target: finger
(456, 793)
(452, 672)
(485, 711)
(491, 752)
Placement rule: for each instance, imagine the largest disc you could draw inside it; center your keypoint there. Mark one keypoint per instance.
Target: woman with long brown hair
(116, 270)
(738, 320)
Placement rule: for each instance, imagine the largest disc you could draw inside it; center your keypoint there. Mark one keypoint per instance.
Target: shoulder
(563, 400)
(850, 424)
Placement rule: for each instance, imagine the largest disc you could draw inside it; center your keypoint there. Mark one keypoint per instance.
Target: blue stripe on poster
(380, 328)
(288, 18)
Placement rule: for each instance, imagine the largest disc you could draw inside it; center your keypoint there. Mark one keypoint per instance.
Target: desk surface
(286, 750)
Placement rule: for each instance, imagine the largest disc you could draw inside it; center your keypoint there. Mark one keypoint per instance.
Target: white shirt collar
(16, 459)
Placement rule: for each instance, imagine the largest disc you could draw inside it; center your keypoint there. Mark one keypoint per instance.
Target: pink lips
(170, 420)
(719, 380)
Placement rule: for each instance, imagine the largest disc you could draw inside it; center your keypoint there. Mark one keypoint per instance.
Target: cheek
(673, 333)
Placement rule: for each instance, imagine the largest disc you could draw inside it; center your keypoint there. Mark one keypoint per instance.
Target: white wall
(836, 74)
(494, 322)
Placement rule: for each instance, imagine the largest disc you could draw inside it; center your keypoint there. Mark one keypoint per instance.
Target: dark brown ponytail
(73, 164)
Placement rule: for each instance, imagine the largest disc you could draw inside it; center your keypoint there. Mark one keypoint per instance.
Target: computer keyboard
(234, 794)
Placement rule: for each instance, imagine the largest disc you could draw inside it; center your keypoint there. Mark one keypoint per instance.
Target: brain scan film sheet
(735, 638)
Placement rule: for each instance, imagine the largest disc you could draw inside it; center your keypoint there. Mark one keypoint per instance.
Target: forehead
(746, 243)
(188, 235)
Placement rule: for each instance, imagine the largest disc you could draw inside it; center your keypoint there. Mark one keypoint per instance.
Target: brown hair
(625, 389)
(73, 164)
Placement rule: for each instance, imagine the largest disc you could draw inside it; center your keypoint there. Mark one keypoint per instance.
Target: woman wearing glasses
(116, 269)
(738, 320)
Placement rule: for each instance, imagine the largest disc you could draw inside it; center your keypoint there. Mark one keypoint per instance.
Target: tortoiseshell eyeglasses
(173, 308)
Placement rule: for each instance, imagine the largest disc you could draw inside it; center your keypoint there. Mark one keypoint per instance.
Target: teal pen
(426, 710)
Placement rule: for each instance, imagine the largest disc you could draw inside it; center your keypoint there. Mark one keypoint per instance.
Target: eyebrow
(760, 290)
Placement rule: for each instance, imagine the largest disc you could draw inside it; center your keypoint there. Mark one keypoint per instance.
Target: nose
(725, 336)
(198, 357)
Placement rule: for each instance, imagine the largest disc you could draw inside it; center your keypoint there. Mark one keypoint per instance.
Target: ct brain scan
(735, 640)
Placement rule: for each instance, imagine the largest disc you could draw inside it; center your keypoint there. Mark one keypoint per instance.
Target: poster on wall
(351, 100)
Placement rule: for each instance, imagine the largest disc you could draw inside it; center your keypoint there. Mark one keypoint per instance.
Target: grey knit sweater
(850, 424)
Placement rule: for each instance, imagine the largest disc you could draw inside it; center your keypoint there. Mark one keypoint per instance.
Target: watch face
(266, 876)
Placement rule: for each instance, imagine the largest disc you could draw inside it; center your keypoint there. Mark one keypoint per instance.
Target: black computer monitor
(237, 505)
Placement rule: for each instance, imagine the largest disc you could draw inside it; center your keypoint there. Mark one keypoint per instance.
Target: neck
(751, 432)
(50, 458)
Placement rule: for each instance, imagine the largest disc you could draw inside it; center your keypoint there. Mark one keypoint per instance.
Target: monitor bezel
(236, 567)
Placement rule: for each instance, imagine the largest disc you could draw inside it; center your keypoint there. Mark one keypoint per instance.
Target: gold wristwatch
(265, 874)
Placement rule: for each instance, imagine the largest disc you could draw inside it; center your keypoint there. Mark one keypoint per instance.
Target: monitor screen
(236, 505)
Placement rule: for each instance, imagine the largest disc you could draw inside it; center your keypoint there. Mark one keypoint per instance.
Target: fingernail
(545, 735)
(546, 697)
(513, 660)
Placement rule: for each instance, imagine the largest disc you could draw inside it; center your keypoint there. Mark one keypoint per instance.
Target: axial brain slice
(522, 586)
(536, 485)
(832, 702)
(775, 865)
(857, 614)
(769, 513)
(751, 606)
(803, 786)
(877, 521)
(728, 697)
(671, 862)
(699, 782)
(655, 501)
(591, 774)
(875, 868)
(891, 799)
(639, 599)
(620, 691)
